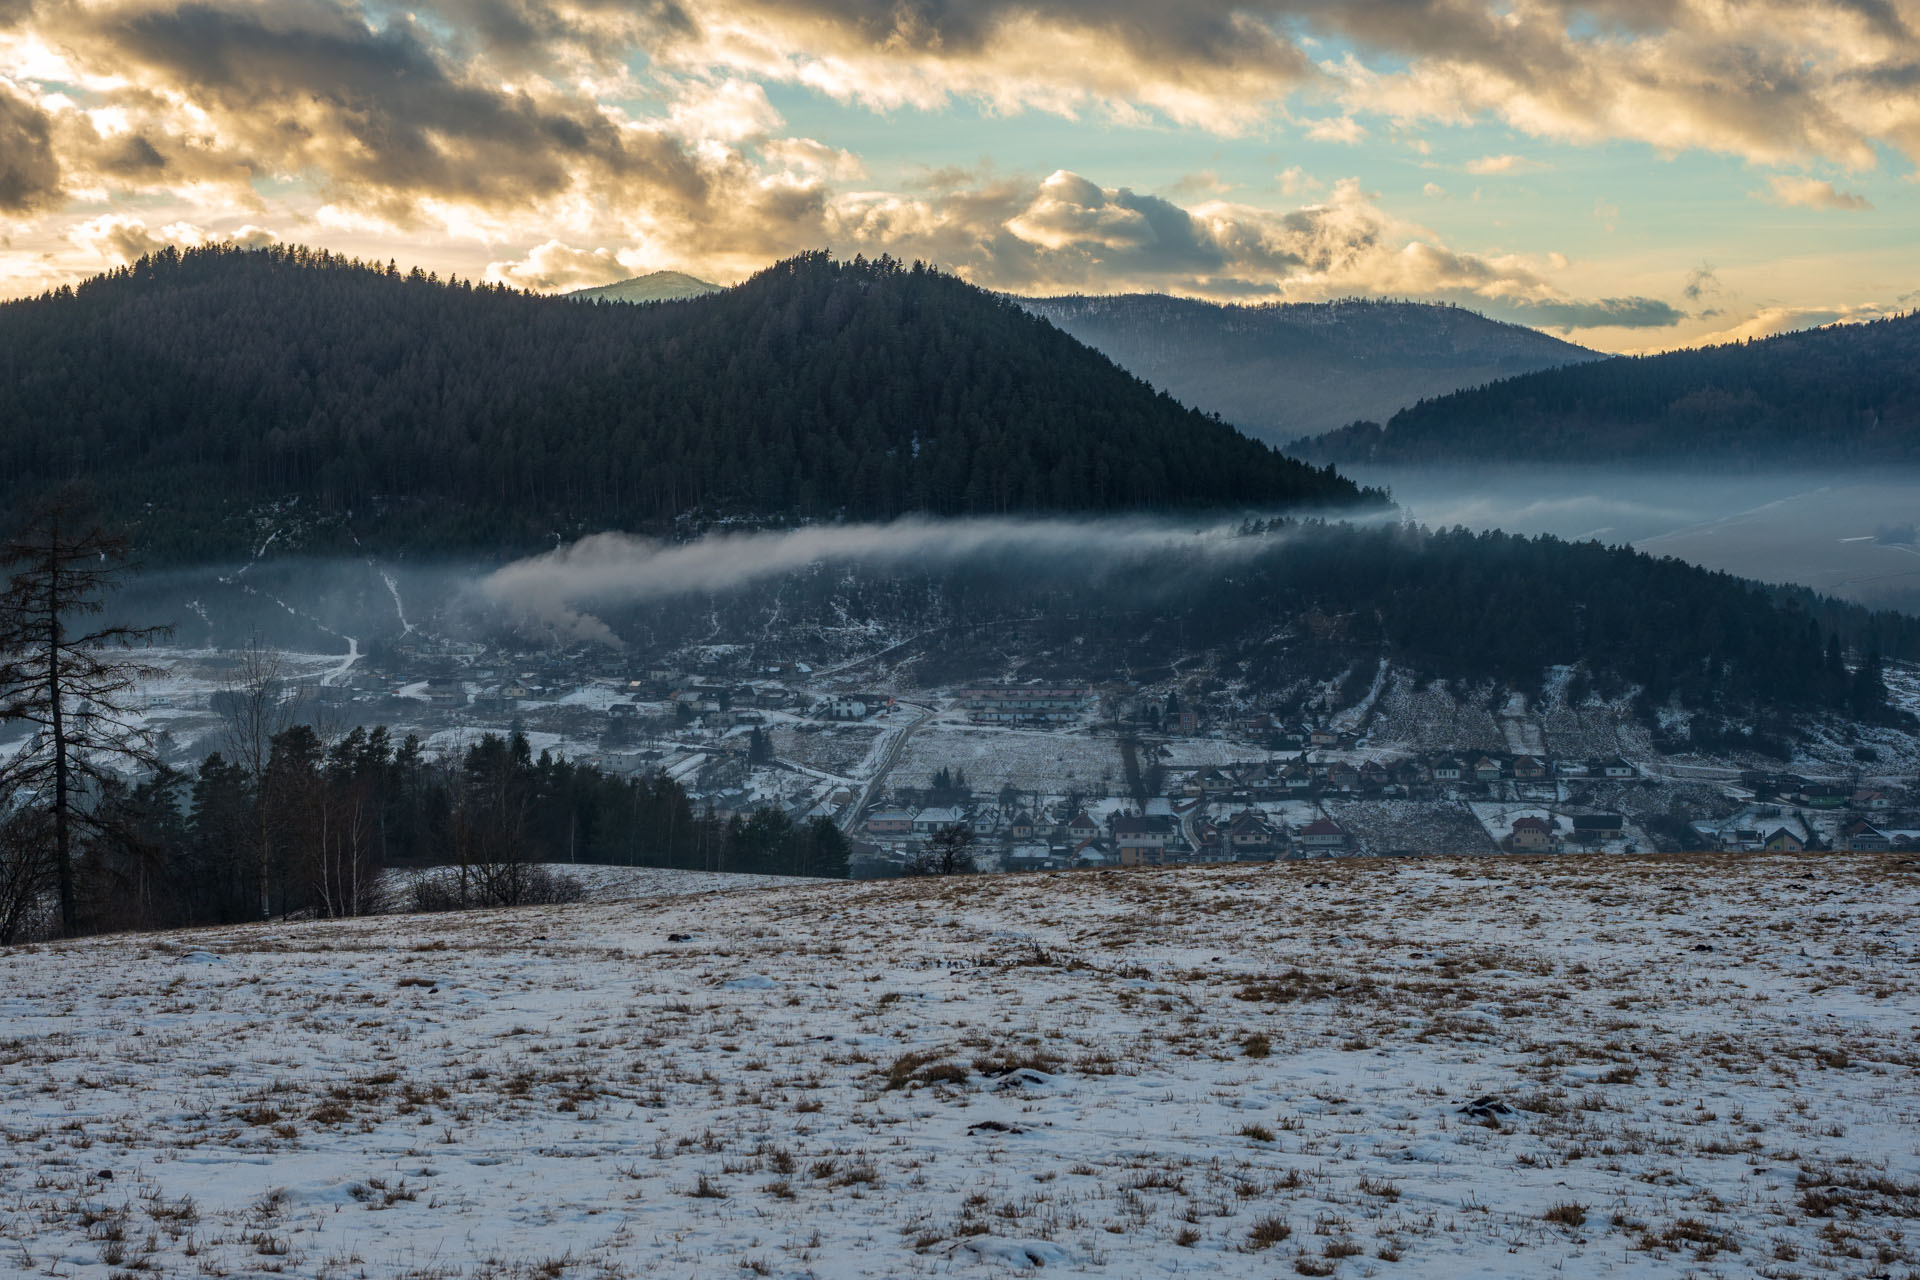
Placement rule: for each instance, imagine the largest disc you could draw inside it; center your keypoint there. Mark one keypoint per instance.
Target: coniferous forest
(313, 832)
(1838, 396)
(419, 414)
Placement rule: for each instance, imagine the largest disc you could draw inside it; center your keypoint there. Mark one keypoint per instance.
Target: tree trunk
(62, 831)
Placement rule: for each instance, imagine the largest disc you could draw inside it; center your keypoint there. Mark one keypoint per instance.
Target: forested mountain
(655, 286)
(1846, 394)
(1286, 370)
(1281, 602)
(400, 411)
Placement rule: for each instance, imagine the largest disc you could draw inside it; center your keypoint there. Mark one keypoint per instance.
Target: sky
(1633, 174)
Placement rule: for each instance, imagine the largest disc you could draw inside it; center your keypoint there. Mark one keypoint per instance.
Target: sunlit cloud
(554, 143)
(1809, 193)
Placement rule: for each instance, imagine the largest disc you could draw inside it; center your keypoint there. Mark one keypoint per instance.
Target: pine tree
(63, 678)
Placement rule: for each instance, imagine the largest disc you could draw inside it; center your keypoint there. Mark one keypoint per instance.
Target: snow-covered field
(1646, 1066)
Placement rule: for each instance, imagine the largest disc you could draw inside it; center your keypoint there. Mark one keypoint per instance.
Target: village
(1051, 774)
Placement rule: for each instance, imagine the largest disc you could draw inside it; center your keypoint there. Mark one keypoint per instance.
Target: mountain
(1286, 370)
(397, 410)
(1845, 394)
(656, 286)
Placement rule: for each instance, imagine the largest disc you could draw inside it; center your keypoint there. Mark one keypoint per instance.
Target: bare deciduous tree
(257, 709)
(949, 852)
(64, 679)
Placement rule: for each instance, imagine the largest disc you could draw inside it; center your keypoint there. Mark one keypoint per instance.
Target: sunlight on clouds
(1808, 193)
(556, 139)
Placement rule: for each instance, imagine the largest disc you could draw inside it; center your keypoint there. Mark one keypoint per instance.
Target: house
(446, 693)
(928, 821)
(1032, 857)
(841, 707)
(1297, 778)
(619, 710)
(1322, 836)
(1596, 828)
(1486, 769)
(1533, 835)
(1529, 769)
(1322, 738)
(1448, 770)
(988, 823)
(1209, 837)
(515, 690)
(1094, 853)
(1082, 827)
(1025, 704)
(1022, 825)
(1373, 776)
(1142, 840)
(1869, 799)
(1250, 835)
(1781, 840)
(1343, 777)
(890, 822)
(1572, 768)
(1618, 768)
(1861, 836)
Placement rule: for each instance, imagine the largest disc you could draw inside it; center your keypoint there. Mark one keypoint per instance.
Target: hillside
(1842, 395)
(404, 413)
(1514, 1067)
(1293, 369)
(655, 286)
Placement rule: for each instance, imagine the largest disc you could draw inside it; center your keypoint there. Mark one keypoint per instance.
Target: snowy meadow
(1645, 1066)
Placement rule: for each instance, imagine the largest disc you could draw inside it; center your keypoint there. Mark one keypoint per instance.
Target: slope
(656, 286)
(443, 416)
(1840, 395)
(1231, 1071)
(1289, 370)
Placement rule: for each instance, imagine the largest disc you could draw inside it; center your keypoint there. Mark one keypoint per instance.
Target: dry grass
(1098, 1074)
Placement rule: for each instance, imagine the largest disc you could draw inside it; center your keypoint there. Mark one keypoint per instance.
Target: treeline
(419, 414)
(98, 833)
(316, 833)
(1844, 394)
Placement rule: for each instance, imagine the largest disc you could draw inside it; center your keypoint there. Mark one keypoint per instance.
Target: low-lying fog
(1847, 534)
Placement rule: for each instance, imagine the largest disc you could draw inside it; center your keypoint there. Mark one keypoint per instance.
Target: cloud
(554, 590)
(1068, 233)
(556, 266)
(1701, 283)
(1434, 191)
(1344, 129)
(1809, 193)
(1768, 321)
(29, 173)
(115, 239)
(1487, 165)
(1598, 313)
(1296, 181)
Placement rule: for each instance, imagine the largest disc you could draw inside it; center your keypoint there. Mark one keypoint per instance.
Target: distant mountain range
(1286, 370)
(1839, 396)
(656, 286)
(395, 410)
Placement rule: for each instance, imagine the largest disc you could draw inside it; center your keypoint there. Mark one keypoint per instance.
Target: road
(887, 762)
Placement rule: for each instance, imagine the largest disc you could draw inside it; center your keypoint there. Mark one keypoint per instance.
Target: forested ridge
(1845, 394)
(1290, 369)
(414, 413)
